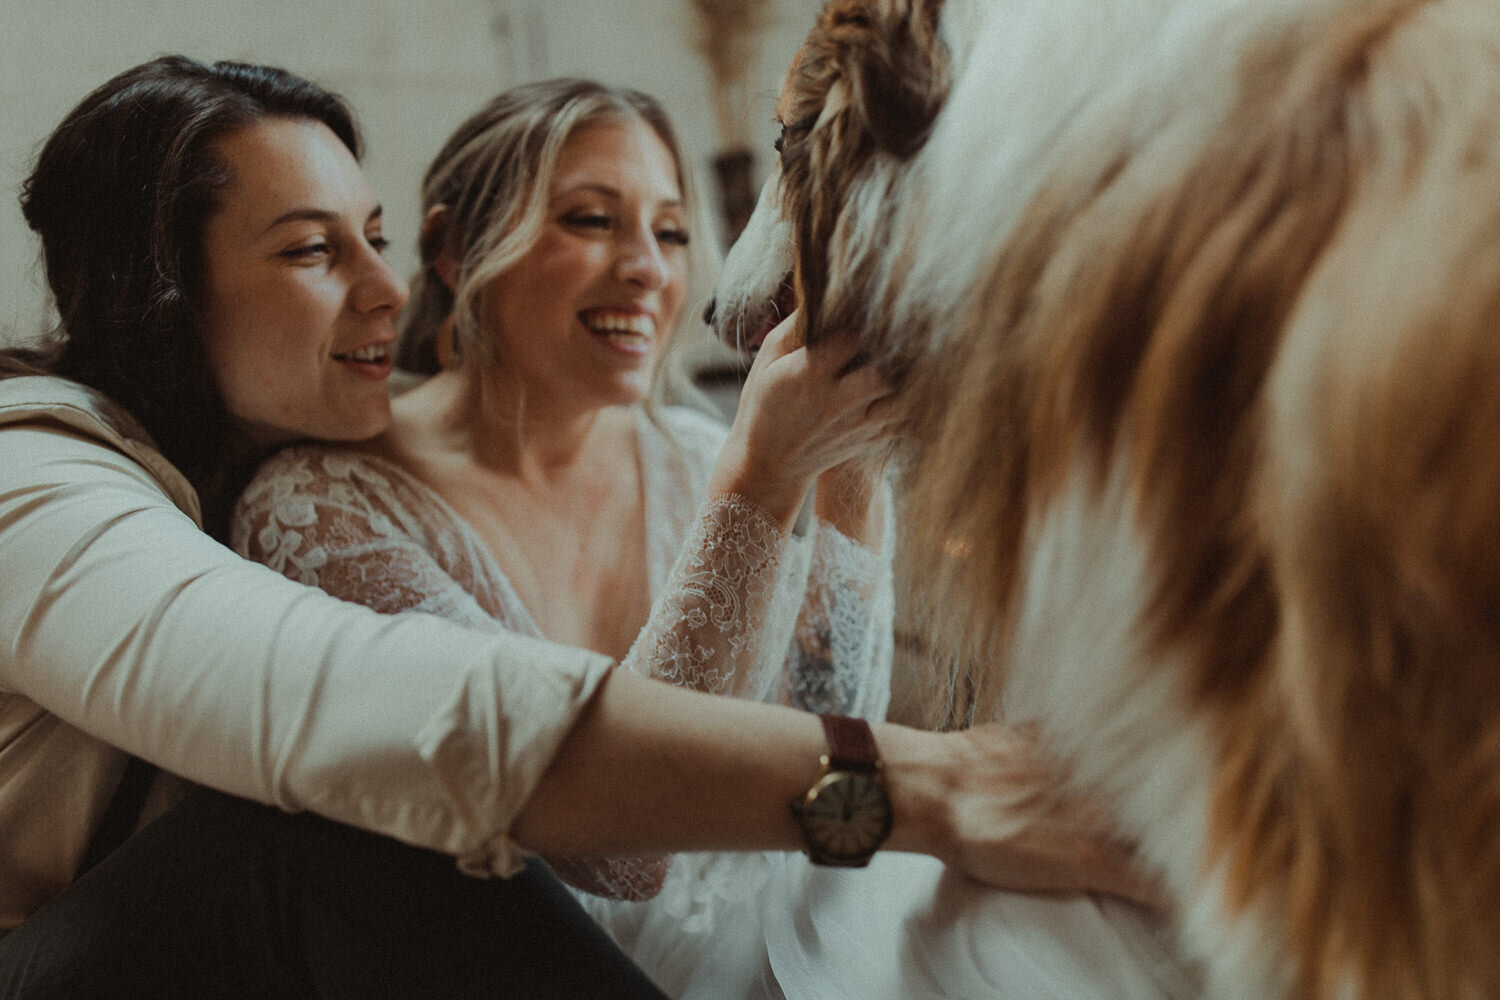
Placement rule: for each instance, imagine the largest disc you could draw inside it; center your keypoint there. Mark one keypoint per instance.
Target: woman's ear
(434, 245)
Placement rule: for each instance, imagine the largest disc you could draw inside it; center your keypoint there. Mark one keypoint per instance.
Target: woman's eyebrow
(310, 214)
(302, 215)
(607, 191)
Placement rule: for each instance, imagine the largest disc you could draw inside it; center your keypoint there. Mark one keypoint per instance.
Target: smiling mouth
(626, 328)
(369, 354)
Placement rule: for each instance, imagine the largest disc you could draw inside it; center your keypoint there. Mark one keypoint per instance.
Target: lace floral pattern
(703, 627)
(740, 607)
(733, 604)
(842, 628)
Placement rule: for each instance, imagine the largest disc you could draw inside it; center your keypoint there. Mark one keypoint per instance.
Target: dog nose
(708, 313)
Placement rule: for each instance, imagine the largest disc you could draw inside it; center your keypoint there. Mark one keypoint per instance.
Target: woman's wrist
(918, 768)
(738, 472)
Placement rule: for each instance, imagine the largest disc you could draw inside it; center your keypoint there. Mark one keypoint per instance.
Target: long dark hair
(120, 196)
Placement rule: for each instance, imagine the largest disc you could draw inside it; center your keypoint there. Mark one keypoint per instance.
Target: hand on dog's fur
(1017, 827)
(802, 411)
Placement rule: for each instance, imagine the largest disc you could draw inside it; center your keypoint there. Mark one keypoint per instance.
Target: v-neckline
(512, 607)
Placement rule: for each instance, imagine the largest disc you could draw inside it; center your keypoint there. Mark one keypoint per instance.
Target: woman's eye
(379, 242)
(588, 220)
(308, 251)
(674, 237)
(780, 139)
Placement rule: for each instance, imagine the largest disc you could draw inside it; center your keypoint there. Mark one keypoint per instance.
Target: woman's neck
(514, 428)
(555, 496)
(480, 416)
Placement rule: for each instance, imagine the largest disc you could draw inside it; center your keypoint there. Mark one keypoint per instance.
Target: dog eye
(801, 127)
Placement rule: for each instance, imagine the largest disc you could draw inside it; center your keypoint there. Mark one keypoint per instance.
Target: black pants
(222, 898)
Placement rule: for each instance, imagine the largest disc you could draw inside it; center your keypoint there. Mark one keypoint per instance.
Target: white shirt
(123, 625)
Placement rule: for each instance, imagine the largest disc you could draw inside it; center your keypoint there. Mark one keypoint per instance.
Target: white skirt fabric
(904, 928)
(907, 929)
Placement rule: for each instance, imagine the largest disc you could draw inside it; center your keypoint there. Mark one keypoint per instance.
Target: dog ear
(897, 70)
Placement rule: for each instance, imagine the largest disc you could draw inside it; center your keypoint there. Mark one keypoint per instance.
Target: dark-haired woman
(362, 754)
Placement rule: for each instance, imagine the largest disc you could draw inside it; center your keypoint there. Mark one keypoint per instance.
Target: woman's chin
(345, 427)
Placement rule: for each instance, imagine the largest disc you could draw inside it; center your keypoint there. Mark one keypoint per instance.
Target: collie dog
(1194, 306)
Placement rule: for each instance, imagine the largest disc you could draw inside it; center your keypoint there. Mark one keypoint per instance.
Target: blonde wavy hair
(493, 175)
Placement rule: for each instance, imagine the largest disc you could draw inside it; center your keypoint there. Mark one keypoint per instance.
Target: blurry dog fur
(1195, 308)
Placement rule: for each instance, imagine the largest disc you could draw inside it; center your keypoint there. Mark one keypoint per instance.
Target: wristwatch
(846, 815)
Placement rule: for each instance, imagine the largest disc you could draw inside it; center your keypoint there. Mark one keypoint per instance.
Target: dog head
(858, 103)
(1234, 287)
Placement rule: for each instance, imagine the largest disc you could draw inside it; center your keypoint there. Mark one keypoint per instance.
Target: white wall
(412, 71)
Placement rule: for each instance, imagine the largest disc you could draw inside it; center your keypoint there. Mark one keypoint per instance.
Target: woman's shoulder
(325, 472)
(679, 446)
(50, 399)
(345, 491)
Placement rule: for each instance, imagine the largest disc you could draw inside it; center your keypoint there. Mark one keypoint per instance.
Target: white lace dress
(738, 607)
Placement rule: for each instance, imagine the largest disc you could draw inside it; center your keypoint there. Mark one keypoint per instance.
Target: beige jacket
(123, 625)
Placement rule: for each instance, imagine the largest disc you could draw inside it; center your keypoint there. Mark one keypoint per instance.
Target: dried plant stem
(728, 31)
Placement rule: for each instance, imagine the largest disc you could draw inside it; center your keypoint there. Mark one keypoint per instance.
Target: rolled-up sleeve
(120, 617)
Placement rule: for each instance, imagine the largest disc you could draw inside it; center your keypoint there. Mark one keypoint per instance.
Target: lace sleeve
(751, 612)
(342, 523)
(705, 627)
(839, 656)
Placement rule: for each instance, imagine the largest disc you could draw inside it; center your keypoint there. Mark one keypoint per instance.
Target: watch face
(847, 815)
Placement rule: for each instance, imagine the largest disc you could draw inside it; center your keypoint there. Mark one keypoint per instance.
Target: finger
(897, 423)
(882, 411)
(869, 444)
(779, 342)
(863, 386)
(841, 353)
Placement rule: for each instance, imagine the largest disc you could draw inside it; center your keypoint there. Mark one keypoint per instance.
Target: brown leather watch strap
(851, 744)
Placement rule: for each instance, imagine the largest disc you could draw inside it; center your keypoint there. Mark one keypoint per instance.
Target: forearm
(652, 767)
(709, 624)
(840, 654)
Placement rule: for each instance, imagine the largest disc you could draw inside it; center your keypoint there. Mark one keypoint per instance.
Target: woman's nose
(641, 262)
(380, 287)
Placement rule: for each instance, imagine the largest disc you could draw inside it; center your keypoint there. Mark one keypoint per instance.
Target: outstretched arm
(129, 623)
(656, 766)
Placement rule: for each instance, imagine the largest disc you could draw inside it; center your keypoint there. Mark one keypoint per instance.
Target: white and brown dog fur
(1195, 306)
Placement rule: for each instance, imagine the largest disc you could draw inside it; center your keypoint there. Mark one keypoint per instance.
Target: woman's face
(299, 306)
(584, 317)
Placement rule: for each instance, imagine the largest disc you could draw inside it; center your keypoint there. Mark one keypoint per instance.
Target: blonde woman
(531, 485)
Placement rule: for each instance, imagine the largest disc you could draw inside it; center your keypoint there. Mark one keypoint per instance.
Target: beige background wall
(412, 70)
